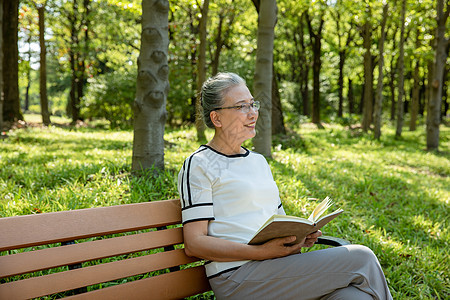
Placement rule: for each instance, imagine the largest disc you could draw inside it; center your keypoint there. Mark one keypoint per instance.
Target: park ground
(395, 194)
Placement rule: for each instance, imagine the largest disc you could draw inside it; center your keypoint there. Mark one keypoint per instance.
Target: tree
(11, 102)
(379, 94)
(304, 67)
(316, 44)
(368, 72)
(392, 74)
(351, 99)
(28, 31)
(292, 53)
(226, 17)
(345, 37)
(277, 110)
(416, 87)
(152, 87)
(77, 48)
(43, 64)
(201, 71)
(440, 57)
(401, 74)
(262, 85)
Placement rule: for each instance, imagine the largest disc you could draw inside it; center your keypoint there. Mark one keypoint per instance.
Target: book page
(320, 209)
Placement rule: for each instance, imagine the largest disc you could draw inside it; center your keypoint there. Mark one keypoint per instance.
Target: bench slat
(32, 261)
(27, 231)
(73, 279)
(177, 285)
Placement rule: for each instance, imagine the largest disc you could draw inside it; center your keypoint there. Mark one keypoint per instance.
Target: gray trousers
(346, 272)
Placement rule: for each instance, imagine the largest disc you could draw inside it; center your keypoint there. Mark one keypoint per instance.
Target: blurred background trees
(325, 59)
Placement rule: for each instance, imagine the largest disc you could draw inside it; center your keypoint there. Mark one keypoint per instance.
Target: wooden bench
(122, 240)
(117, 252)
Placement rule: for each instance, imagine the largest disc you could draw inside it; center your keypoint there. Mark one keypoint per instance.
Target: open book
(283, 226)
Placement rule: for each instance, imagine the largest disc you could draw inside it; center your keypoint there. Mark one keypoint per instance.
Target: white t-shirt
(236, 193)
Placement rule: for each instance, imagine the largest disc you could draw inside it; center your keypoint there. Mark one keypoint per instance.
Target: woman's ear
(215, 118)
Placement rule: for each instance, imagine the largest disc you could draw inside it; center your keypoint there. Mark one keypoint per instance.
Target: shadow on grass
(386, 202)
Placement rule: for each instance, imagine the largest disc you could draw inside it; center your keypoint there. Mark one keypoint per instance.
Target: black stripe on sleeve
(187, 177)
(199, 219)
(187, 182)
(182, 184)
(279, 206)
(196, 205)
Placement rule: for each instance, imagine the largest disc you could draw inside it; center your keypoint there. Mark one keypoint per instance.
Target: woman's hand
(311, 239)
(279, 247)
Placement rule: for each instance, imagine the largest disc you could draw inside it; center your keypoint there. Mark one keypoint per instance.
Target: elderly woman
(227, 192)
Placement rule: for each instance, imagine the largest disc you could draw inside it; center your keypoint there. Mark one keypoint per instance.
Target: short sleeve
(195, 191)
(280, 209)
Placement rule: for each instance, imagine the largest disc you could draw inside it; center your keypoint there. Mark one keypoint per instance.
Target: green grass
(395, 194)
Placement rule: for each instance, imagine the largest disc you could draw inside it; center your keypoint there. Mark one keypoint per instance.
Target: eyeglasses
(244, 108)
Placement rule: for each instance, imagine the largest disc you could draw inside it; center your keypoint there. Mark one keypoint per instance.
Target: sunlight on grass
(395, 194)
(36, 118)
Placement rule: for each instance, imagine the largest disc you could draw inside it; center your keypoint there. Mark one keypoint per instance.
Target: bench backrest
(124, 248)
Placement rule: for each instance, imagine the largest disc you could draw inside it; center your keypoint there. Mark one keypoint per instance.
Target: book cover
(282, 226)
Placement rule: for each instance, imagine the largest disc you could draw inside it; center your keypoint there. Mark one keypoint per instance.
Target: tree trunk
(1, 65)
(73, 106)
(434, 105)
(219, 44)
(11, 102)
(430, 72)
(379, 95)
(277, 110)
(303, 67)
(152, 87)
(316, 42)
(201, 73)
(26, 104)
(361, 100)
(392, 89)
(43, 67)
(262, 84)
(445, 92)
(341, 83)
(351, 98)
(422, 96)
(305, 91)
(415, 94)
(343, 50)
(77, 53)
(194, 67)
(401, 74)
(368, 77)
(222, 37)
(83, 54)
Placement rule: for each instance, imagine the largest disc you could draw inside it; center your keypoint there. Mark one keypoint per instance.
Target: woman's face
(237, 124)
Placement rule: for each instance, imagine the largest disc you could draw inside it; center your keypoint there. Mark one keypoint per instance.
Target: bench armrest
(332, 241)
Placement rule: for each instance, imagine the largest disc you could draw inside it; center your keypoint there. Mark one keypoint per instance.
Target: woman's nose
(252, 113)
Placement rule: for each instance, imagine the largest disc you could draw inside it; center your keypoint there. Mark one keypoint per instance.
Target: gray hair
(213, 91)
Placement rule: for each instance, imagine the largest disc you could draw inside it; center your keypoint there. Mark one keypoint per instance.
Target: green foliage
(111, 96)
(395, 195)
(114, 39)
(237, 51)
